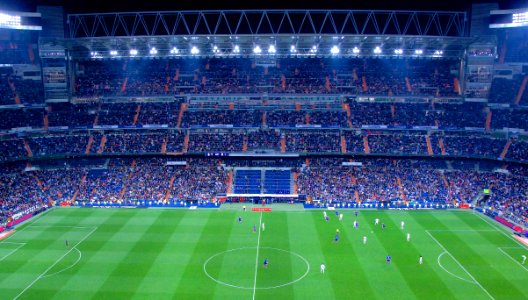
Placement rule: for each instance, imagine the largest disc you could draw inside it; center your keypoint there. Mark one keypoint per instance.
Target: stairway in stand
(102, 145)
(366, 145)
(125, 184)
(343, 145)
(429, 146)
(505, 150)
(28, 150)
(167, 194)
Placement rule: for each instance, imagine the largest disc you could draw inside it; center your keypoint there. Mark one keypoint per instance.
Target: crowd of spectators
(72, 115)
(216, 142)
(148, 180)
(237, 75)
(518, 150)
(134, 143)
(504, 90)
(55, 144)
(397, 144)
(87, 115)
(12, 149)
(15, 118)
(19, 192)
(15, 90)
(509, 118)
(159, 113)
(198, 181)
(263, 140)
(325, 179)
(385, 142)
(468, 145)
(326, 141)
(237, 118)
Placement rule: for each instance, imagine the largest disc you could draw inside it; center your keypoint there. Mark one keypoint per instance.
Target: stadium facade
(371, 108)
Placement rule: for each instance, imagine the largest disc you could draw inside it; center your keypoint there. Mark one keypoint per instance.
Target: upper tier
(147, 77)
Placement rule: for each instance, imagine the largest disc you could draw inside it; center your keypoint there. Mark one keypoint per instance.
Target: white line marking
(500, 229)
(256, 258)
(31, 221)
(56, 262)
(459, 264)
(13, 251)
(463, 230)
(67, 268)
(60, 226)
(443, 268)
(259, 288)
(523, 266)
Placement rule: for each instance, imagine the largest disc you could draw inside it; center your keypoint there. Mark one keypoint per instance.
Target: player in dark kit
(265, 263)
(389, 259)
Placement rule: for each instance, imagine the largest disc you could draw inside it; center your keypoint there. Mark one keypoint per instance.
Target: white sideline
(29, 223)
(459, 264)
(522, 266)
(500, 229)
(257, 257)
(13, 251)
(56, 262)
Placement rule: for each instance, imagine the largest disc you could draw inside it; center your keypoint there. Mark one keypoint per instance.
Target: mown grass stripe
(137, 254)
(214, 238)
(349, 280)
(487, 276)
(276, 235)
(305, 241)
(167, 270)
(405, 259)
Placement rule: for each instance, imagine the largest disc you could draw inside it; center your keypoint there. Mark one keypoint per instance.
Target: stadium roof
(277, 33)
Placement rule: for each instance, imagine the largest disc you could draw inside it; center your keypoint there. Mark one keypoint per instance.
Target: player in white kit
(420, 260)
(376, 222)
(408, 237)
(402, 225)
(323, 268)
(364, 240)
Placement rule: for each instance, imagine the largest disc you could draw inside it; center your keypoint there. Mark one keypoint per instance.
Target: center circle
(236, 268)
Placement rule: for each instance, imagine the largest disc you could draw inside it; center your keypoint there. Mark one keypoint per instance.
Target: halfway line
(256, 258)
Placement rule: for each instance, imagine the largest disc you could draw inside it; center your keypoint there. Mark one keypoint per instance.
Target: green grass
(170, 254)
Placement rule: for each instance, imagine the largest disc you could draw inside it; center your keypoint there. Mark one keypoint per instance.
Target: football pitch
(209, 254)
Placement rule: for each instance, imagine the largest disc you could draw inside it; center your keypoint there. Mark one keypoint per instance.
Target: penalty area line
(460, 265)
(505, 253)
(13, 251)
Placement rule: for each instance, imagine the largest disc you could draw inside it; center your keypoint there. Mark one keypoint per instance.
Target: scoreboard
(509, 18)
(20, 20)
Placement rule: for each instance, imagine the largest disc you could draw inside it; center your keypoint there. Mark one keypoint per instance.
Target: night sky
(88, 6)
